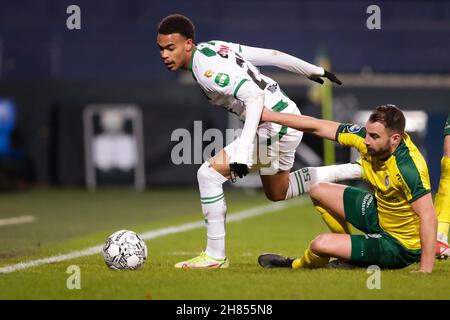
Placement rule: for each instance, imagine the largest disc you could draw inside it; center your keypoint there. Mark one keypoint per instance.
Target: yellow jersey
(398, 181)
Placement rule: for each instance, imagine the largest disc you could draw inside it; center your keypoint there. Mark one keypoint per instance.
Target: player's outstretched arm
(270, 57)
(428, 225)
(323, 128)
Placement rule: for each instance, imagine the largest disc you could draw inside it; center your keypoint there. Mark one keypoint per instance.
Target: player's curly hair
(390, 116)
(177, 23)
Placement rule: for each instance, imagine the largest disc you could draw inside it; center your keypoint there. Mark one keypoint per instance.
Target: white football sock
(214, 209)
(301, 180)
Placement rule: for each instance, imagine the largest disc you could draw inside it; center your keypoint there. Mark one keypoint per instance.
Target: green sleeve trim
(238, 87)
(208, 52)
(351, 129)
(408, 170)
(280, 106)
(339, 130)
(419, 196)
(192, 60)
(240, 48)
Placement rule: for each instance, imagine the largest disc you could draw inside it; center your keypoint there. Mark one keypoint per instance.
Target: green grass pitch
(72, 220)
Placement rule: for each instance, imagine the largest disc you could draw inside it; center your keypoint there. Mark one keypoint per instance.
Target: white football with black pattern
(124, 250)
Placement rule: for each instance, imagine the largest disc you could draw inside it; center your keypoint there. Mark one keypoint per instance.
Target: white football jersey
(220, 69)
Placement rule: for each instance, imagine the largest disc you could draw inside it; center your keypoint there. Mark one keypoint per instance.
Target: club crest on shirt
(387, 181)
(208, 73)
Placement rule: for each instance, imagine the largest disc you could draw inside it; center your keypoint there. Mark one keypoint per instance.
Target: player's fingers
(318, 80)
(336, 80)
(332, 77)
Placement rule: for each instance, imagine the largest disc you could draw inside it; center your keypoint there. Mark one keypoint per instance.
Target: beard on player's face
(380, 151)
(379, 140)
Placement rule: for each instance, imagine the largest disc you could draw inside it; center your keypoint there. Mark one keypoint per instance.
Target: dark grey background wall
(52, 73)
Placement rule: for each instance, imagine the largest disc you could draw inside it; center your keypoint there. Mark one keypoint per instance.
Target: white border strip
(16, 220)
(238, 216)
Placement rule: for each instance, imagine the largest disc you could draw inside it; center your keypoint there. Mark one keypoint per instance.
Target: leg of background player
(442, 200)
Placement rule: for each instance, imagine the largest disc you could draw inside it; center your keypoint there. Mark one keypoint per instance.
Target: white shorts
(275, 148)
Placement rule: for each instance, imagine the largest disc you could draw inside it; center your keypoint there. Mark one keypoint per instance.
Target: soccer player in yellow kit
(398, 219)
(442, 200)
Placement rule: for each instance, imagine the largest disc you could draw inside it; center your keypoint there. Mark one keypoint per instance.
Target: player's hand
(330, 76)
(420, 271)
(238, 170)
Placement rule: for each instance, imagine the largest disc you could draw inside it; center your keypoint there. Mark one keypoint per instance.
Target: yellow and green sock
(310, 260)
(334, 224)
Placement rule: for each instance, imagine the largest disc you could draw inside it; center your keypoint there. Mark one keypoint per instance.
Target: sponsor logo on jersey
(373, 236)
(222, 79)
(223, 51)
(401, 181)
(386, 180)
(208, 73)
(273, 87)
(354, 128)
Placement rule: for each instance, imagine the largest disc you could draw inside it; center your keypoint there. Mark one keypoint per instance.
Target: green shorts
(376, 246)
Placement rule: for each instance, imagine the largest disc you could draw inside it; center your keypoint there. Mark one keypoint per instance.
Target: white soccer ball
(124, 249)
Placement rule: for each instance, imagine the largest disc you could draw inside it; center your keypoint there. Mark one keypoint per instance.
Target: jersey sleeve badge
(222, 79)
(208, 73)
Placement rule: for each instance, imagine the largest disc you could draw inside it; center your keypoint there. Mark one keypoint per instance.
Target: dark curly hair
(177, 23)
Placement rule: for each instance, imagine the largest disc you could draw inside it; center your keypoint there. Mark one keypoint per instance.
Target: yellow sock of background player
(442, 200)
(334, 224)
(310, 260)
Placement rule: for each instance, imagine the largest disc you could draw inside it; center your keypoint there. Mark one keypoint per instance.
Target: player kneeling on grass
(399, 219)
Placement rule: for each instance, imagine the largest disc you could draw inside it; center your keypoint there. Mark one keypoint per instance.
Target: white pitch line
(238, 216)
(16, 220)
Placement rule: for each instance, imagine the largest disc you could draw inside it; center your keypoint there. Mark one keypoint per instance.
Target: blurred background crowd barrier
(50, 75)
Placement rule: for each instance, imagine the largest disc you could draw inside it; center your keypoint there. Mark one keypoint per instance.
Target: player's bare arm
(428, 226)
(323, 128)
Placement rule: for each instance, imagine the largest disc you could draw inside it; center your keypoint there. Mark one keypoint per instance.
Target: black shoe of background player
(273, 260)
(340, 264)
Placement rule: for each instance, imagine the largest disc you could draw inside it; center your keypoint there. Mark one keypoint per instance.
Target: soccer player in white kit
(227, 75)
